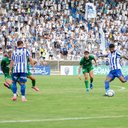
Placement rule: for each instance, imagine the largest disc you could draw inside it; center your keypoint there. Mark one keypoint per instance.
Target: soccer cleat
(91, 86)
(106, 94)
(35, 88)
(14, 98)
(23, 99)
(87, 89)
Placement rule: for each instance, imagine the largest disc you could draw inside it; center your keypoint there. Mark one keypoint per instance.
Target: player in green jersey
(32, 78)
(5, 66)
(87, 69)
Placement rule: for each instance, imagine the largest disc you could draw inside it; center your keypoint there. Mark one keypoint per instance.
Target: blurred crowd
(59, 29)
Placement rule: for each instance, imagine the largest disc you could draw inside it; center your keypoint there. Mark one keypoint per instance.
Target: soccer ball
(110, 93)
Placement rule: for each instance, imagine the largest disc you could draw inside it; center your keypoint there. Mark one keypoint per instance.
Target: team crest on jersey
(20, 52)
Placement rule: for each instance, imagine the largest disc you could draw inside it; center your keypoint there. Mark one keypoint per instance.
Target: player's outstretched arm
(125, 57)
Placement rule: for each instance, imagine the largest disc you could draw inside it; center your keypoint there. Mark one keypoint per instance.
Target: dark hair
(111, 46)
(86, 52)
(19, 42)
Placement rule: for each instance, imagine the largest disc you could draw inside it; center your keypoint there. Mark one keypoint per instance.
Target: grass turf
(62, 103)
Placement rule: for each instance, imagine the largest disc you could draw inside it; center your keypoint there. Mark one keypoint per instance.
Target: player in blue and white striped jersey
(19, 72)
(115, 66)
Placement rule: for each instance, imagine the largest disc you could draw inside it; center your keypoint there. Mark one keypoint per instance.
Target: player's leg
(86, 79)
(121, 77)
(14, 86)
(8, 83)
(23, 80)
(91, 77)
(32, 78)
(110, 77)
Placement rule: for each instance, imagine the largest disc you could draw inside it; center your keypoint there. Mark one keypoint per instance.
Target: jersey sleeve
(81, 61)
(3, 64)
(92, 57)
(119, 54)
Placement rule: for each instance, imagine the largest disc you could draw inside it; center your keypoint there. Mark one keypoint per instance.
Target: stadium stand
(59, 29)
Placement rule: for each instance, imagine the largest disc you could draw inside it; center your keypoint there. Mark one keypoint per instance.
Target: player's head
(19, 43)
(86, 54)
(112, 48)
(5, 54)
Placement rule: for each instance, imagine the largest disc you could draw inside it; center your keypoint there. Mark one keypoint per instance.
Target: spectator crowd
(59, 29)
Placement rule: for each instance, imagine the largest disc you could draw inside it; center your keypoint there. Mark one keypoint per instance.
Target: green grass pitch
(63, 103)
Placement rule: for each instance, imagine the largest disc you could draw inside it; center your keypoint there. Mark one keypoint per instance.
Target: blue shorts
(115, 73)
(21, 77)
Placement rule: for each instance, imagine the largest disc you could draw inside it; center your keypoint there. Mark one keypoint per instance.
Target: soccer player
(115, 67)
(32, 78)
(5, 67)
(19, 65)
(87, 68)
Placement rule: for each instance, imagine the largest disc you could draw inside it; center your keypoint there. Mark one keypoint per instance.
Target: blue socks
(126, 78)
(106, 85)
(23, 87)
(14, 87)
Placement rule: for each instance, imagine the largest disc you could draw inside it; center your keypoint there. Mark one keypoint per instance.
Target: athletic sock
(23, 87)
(91, 80)
(14, 95)
(33, 83)
(126, 78)
(86, 84)
(106, 85)
(14, 87)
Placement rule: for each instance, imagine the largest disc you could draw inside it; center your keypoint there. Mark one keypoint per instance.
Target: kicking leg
(123, 79)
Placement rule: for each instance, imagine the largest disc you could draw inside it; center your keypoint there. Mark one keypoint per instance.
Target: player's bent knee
(86, 78)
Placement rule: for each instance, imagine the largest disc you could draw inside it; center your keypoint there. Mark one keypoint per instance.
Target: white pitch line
(120, 88)
(62, 119)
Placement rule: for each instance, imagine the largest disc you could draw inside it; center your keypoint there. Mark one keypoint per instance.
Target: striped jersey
(114, 60)
(19, 57)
